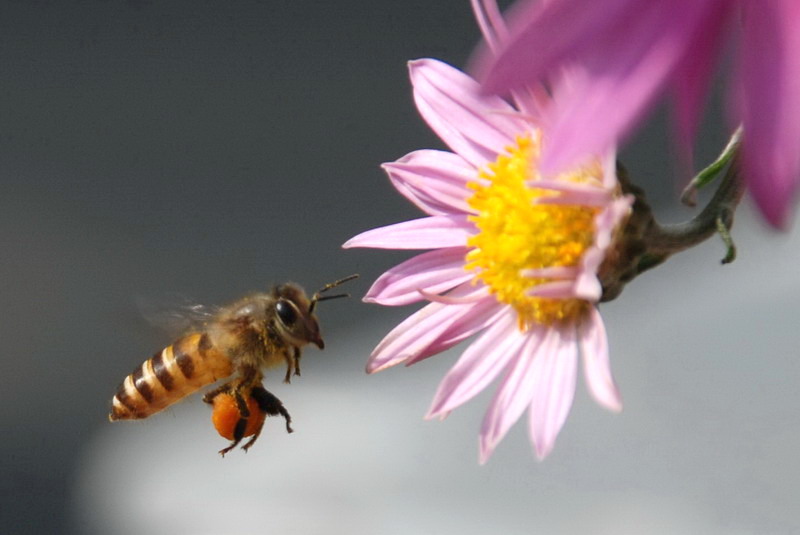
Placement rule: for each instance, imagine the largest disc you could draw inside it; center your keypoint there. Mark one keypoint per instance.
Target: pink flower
(513, 257)
(633, 50)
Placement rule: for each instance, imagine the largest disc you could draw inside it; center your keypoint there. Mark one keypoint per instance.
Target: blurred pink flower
(633, 50)
(513, 256)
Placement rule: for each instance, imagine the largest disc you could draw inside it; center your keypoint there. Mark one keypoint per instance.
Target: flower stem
(716, 217)
(644, 244)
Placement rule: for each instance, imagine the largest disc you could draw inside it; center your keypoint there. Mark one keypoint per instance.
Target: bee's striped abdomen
(171, 374)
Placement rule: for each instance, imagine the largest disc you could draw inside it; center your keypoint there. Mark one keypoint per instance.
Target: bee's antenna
(317, 297)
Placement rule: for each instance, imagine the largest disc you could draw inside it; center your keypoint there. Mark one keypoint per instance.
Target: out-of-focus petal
(425, 233)
(622, 78)
(477, 127)
(546, 34)
(596, 365)
(513, 395)
(490, 21)
(692, 79)
(478, 366)
(434, 180)
(415, 335)
(553, 377)
(608, 162)
(435, 272)
(768, 104)
(532, 99)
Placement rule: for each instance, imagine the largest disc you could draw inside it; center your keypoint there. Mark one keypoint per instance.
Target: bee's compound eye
(286, 313)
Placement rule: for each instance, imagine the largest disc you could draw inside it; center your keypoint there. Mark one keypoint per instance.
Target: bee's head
(295, 311)
(294, 314)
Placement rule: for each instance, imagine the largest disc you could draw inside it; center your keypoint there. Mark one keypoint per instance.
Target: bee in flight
(260, 331)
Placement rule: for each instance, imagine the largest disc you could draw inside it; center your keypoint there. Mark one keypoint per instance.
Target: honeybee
(240, 340)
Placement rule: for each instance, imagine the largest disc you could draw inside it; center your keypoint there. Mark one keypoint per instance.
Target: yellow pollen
(516, 233)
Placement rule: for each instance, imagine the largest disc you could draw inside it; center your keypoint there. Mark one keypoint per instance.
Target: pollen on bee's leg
(227, 417)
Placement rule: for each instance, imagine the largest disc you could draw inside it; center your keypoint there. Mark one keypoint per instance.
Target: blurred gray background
(209, 149)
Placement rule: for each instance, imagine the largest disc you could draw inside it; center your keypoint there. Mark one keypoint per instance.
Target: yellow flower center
(517, 233)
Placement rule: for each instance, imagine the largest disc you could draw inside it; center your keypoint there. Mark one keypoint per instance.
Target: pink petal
(531, 100)
(477, 318)
(609, 163)
(478, 365)
(412, 336)
(553, 377)
(692, 80)
(415, 335)
(556, 272)
(490, 21)
(565, 186)
(425, 233)
(513, 395)
(546, 34)
(609, 219)
(596, 366)
(435, 271)
(562, 289)
(448, 299)
(587, 286)
(579, 197)
(475, 126)
(436, 181)
(623, 78)
(769, 104)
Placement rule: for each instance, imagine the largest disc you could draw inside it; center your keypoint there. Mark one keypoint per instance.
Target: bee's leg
(269, 404)
(288, 377)
(297, 355)
(238, 434)
(256, 396)
(292, 358)
(235, 391)
(211, 394)
(288, 356)
(250, 378)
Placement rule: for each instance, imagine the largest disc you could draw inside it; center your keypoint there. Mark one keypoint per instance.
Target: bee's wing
(175, 314)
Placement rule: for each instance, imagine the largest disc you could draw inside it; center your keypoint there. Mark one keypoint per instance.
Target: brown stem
(644, 244)
(718, 213)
